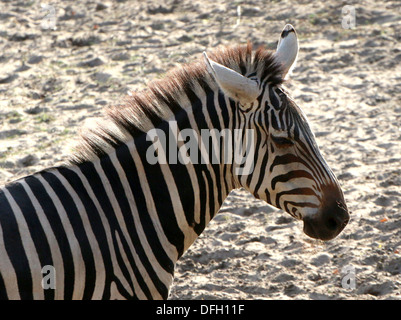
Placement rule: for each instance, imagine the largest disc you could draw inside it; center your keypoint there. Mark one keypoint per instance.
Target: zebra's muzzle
(327, 224)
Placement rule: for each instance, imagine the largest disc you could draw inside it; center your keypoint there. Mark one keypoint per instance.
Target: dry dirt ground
(347, 81)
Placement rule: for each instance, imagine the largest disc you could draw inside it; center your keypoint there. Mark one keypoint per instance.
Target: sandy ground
(347, 81)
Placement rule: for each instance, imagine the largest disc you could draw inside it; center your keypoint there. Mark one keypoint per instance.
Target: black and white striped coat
(111, 225)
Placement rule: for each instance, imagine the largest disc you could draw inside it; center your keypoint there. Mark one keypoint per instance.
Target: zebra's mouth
(324, 228)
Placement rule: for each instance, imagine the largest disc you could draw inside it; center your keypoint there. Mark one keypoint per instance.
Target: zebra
(112, 225)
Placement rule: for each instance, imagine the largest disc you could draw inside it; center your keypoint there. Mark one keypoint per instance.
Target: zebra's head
(289, 171)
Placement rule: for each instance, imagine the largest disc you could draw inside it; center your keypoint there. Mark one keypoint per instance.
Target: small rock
(101, 102)
(251, 12)
(377, 289)
(8, 79)
(290, 263)
(185, 38)
(91, 63)
(321, 259)
(10, 133)
(121, 56)
(35, 59)
(284, 277)
(52, 85)
(383, 201)
(345, 176)
(157, 26)
(83, 42)
(7, 164)
(34, 110)
(76, 107)
(28, 161)
(35, 95)
(306, 98)
(292, 290)
(101, 77)
(101, 6)
(284, 220)
(393, 266)
(22, 37)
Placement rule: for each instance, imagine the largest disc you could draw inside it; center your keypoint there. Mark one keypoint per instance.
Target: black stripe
(302, 125)
(299, 205)
(13, 245)
(224, 109)
(158, 188)
(262, 175)
(281, 114)
(94, 219)
(181, 176)
(273, 120)
(3, 292)
(224, 112)
(294, 174)
(211, 109)
(313, 165)
(287, 159)
(275, 103)
(89, 171)
(201, 168)
(119, 191)
(128, 165)
(53, 217)
(36, 231)
(296, 191)
(74, 217)
(285, 33)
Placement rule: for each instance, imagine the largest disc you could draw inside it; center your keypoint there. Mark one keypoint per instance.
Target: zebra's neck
(156, 211)
(195, 191)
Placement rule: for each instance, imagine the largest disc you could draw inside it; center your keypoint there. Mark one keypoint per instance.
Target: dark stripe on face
(273, 118)
(275, 103)
(296, 205)
(287, 159)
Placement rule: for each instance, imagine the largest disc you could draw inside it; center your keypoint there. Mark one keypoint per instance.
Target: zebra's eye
(282, 141)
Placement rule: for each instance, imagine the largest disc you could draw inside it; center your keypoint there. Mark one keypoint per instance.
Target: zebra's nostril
(331, 224)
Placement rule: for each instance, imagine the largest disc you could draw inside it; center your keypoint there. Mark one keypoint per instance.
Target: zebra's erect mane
(164, 98)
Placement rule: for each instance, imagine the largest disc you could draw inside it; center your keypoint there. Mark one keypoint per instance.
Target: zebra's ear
(232, 83)
(287, 49)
